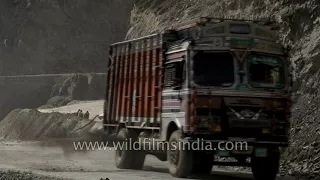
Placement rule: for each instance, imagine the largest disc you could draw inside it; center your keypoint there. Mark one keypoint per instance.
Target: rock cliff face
(300, 22)
(49, 90)
(59, 36)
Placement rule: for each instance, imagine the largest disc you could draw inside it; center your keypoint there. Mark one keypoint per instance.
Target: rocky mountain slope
(300, 22)
(49, 90)
(59, 36)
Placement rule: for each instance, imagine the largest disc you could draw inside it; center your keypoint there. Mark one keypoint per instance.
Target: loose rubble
(16, 175)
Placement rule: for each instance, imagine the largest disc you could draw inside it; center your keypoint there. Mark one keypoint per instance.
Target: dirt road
(53, 161)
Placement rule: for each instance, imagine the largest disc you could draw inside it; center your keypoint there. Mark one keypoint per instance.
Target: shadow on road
(214, 175)
(155, 169)
(226, 176)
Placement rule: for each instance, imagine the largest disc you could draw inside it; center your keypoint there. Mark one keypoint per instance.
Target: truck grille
(244, 112)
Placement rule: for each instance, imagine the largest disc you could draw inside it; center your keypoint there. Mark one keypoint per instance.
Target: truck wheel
(124, 155)
(129, 157)
(180, 159)
(138, 153)
(138, 160)
(203, 162)
(266, 168)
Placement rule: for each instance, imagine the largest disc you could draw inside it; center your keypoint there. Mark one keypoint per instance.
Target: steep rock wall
(59, 36)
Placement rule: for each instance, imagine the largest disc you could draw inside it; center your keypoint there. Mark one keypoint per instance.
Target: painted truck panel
(135, 82)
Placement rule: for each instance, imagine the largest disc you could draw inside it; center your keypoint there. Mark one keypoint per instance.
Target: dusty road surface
(53, 161)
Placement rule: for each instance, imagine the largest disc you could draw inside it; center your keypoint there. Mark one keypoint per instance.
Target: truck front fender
(169, 125)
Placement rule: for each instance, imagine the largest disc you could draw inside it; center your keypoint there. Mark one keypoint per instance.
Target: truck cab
(233, 81)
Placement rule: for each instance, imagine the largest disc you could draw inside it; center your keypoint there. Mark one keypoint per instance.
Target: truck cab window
(174, 74)
(265, 71)
(214, 69)
(240, 28)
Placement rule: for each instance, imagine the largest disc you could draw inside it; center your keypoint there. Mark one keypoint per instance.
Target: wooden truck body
(214, 79)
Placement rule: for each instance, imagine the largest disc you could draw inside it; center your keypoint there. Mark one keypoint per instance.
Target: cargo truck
(211, 80)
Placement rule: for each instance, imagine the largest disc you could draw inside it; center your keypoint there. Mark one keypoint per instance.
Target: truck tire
(124, 156)
(129, 157)
(139, 154)
(180, 159)
(138, 160)
(203, 162)
(266, 168)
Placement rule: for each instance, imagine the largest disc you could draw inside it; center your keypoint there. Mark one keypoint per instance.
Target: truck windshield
(213, 69)
(265, 71)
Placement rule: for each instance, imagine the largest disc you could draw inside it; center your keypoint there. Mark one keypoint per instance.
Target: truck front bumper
(270, 142)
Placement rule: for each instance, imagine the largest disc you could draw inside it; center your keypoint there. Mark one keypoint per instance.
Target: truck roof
(270, 22)
(207, 31)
